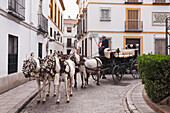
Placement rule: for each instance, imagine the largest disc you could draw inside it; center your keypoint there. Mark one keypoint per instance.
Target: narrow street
(106, 98)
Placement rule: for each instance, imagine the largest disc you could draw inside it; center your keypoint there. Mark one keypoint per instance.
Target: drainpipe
(30, 23)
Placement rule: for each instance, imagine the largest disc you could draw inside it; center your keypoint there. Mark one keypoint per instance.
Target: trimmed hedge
(154, 70)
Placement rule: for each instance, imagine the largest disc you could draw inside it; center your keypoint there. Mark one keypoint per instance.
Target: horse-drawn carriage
(118, 62)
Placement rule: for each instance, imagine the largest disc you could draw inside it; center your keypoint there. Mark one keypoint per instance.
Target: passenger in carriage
(105, 44)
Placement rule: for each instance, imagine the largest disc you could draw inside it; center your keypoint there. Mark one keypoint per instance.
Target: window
(17, 8)
(55, 18)
(105, 14)
(133, 19)
(40, 50)
(86, 47)
(51, 9)
(68, 42)
(51, 30)
(69, 29)
(61, 21)
(58, 18)
(55, 35)
(61, 40)
(160, 1)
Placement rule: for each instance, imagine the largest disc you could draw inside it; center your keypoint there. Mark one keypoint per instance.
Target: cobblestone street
(106, 98)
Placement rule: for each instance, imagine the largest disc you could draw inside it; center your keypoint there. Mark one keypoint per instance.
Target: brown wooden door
(132, 19)
(160, 47)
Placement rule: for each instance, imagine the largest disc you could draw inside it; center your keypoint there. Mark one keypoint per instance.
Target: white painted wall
(117, 24)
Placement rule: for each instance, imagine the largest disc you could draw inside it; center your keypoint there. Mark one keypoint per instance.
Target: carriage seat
(126, 53)
(107, 52)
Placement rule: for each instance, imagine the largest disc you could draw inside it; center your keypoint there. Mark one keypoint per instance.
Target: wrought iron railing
(134, 1)
(161, 1)
(105, 18)
(17, 8)
(42, 23)
(133, 25)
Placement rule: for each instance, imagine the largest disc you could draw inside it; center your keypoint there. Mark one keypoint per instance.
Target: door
(40, 50)
(68, 51)
(12, 54)
(133, 21)
(133, 43)
(160, 46)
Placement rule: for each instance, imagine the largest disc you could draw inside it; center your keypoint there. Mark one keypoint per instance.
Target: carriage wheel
(117, 73)
(134, 69)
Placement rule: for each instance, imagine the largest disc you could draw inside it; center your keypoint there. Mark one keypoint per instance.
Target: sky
(71, 9)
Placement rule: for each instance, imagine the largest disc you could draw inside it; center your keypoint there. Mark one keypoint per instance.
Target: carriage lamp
(58, 35)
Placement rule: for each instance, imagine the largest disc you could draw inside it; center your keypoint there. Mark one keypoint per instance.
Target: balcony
(105, 18)
(134, 26)
(42, 23)
(17, 9)
(134, 1)
(161, 2)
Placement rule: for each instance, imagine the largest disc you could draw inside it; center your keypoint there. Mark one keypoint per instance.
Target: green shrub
(154, 70)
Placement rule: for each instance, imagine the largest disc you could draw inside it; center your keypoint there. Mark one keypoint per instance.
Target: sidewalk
(135, 101)
(13, 100)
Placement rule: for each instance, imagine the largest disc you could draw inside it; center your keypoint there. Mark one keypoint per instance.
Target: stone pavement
(135, 101)
(106, 98)
(13, 100)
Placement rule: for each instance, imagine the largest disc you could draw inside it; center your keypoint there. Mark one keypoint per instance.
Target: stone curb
(129, 101)
(154, 106)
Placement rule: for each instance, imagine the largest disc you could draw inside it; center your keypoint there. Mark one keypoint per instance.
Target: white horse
(31, 68)
(67, 74)
(60, 71)
(86, 66)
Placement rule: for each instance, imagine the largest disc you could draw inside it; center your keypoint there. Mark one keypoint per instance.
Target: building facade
(25, 28)
(69, 33)
(126, 23)
(56, 8)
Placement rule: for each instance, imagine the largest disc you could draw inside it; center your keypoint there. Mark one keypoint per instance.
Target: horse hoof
(54, 95)
(71, 95)
(47, 95)
(43, 102)
(98, 84)
(81, 87)
(57, 102)
(38, 101)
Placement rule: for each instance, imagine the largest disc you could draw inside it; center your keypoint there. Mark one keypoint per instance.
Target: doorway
(12, 54)
(160, 46)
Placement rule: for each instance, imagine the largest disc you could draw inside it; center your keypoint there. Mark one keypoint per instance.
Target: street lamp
(58, 35)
